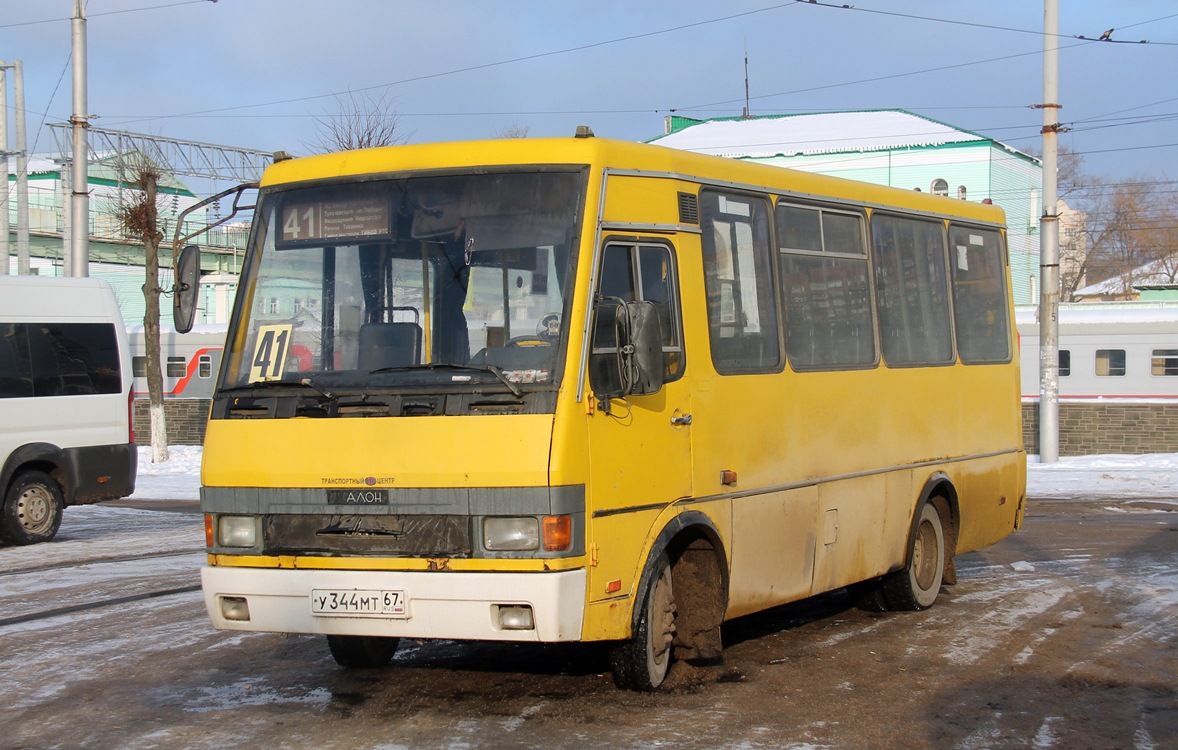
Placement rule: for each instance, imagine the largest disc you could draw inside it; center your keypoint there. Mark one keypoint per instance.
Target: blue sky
(257, 73)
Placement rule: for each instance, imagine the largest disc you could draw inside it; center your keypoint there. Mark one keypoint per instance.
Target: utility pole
(80, 199)
(22, 172)
(4, 244)
(1049, 244)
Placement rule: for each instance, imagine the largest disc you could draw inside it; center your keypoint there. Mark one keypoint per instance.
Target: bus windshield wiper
(303, 383)
(436, 366)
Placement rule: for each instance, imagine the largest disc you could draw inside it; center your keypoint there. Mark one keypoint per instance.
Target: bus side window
(738, 275)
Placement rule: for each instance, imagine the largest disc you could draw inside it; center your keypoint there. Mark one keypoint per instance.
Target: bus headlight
(511, 533)
(237, 531)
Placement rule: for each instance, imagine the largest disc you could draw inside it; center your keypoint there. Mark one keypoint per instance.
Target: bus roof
(603, 152)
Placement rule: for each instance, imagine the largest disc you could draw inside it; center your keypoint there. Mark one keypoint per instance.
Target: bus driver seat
(395, 344)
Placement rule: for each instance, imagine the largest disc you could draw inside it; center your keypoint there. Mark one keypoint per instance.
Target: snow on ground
(1106, 477)
(178, 478)
(1152, 476)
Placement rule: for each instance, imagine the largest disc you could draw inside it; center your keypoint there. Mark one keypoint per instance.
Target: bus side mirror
(626, 358)
(187, 285)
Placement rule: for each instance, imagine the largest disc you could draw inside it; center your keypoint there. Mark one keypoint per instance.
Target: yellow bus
(563, 390)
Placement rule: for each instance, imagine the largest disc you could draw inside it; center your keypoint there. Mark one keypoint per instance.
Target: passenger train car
(1107, 351)
(190, 360)
(1126, 351)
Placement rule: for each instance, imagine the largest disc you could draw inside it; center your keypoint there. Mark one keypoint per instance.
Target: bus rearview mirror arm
(186, 262)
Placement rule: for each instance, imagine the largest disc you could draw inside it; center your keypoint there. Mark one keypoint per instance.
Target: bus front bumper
(399, 604)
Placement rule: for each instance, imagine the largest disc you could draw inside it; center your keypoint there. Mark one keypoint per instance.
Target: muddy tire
(641, 663)
(362, 651)
(917, 587)
(32, 509)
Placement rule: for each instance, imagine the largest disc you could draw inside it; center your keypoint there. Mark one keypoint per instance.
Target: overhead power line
(99, 14)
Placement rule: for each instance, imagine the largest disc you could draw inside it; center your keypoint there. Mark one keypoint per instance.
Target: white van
(65, 402)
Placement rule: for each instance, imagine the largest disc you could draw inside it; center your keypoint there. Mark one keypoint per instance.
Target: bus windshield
(410, 281)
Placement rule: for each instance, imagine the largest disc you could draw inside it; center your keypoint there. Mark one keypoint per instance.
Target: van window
(58, 359)
(16, 376)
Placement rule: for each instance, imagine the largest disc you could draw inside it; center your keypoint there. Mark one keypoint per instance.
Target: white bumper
(450, 605)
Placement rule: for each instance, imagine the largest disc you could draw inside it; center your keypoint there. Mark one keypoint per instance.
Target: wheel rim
(34, 510)
(661, 626)
(924, 556)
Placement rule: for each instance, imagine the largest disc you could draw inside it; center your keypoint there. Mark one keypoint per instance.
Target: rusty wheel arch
(942, 493)
(699, 572)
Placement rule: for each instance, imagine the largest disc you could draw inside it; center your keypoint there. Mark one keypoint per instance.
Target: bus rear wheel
(32, 509)
(642, 662)
(362, 651)
(916, 587)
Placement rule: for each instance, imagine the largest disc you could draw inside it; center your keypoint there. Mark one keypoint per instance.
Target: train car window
(1164, 362)
(1110, 362)
(139, 367)
(1065, 363)
(205, 368)
(177, 367)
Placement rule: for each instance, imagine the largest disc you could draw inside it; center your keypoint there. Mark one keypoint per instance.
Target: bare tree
(1128, 232)
(139, 219)
(1126, 225)
(361, 121)
(514, 130)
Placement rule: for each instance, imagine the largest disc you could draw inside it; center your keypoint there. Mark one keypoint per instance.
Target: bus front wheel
(362, 651)
(641, 663)
(32, 509)
(916, 587)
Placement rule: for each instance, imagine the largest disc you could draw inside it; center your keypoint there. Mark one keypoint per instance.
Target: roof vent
(584, 131)
(281, 156)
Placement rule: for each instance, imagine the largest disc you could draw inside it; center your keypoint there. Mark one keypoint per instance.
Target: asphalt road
(1062, 636)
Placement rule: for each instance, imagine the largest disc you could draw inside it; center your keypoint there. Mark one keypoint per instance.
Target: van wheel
(641, 663)
(32, 509)
(917, 587)
(362, 651)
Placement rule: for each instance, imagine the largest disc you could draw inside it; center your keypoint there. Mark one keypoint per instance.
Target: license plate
(358, 603)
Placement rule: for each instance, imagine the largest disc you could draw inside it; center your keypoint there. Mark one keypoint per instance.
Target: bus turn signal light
(209, 526)
(558, 533)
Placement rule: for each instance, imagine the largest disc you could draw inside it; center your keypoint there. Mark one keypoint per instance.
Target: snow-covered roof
(1105, 313)
(821, 133)
(1156, 273)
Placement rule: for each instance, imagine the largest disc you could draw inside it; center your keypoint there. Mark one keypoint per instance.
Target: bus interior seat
(395, 344)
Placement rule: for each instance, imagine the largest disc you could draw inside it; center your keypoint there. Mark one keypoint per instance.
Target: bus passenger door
(640, 449)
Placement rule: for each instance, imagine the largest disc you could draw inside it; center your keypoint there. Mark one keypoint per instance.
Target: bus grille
(398, 535)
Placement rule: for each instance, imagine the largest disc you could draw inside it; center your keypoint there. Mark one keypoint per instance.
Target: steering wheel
(548, 329)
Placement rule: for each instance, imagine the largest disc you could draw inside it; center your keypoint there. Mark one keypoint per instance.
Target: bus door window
(738, 275)
(632, 272)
